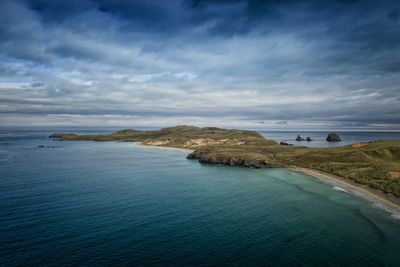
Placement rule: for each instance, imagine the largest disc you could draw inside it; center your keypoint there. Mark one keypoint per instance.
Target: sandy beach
(376, 197)
(380, 199)
(165, 147)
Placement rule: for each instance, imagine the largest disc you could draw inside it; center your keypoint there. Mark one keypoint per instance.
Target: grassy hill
(189, 137)
(376, 164)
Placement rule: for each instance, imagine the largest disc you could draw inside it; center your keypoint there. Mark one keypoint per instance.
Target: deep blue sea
(112, 203)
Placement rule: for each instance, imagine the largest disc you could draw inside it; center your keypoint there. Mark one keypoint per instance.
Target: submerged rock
(332, 137)
(41, 146)
(299, 138)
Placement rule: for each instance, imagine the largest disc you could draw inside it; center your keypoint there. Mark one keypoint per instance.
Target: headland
(370, 167)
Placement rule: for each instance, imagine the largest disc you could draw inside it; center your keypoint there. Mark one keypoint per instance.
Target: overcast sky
(300, 65)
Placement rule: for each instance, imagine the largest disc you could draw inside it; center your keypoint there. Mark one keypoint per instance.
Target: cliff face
(205, 157)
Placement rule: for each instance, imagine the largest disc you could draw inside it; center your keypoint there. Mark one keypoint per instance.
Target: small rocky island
(376, 164)
(332, 137)
(299, 138)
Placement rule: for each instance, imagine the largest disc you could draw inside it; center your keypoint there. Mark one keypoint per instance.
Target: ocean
(115, 203)
(319, 137)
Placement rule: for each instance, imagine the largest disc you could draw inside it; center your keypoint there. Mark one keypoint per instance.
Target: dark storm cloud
(283, 63)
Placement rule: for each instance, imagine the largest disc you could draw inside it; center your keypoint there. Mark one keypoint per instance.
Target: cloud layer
(255, 64)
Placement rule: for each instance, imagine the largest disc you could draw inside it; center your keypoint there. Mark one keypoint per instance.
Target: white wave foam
(337, 188)
(394, 213)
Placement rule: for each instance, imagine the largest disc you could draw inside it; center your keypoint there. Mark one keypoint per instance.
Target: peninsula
(373, 165)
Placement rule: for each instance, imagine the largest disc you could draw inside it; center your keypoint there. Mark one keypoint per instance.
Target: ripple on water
(109, 203)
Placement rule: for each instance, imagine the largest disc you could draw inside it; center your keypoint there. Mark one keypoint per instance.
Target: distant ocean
(319, 137)
(113, 203)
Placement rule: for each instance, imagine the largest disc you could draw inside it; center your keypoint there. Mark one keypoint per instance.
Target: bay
(110, 203)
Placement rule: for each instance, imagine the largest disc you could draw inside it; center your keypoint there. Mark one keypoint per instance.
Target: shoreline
(374, 196)
(165, 147)
(251, 149)
(383, 201)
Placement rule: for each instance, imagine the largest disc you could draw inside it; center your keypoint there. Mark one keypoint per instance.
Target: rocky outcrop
(204, 157)
(62, 137)
(308, 139)
(56, 135)
(332, 137)
(299, 138)
(284, 144)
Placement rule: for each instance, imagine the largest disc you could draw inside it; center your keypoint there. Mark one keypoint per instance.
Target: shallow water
(108, 203)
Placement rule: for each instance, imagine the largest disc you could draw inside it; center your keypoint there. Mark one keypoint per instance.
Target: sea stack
(332, 137)
(308, 139)
(299, 138)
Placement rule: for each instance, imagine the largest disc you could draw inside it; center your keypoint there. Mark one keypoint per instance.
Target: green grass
(178, 136)
(370, 163)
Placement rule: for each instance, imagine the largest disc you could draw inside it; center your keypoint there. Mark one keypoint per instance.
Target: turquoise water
(110, 203)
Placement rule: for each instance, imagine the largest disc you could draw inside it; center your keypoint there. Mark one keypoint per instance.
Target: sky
(268, 65)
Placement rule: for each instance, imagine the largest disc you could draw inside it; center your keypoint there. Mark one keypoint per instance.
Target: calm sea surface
(319, 138)
(111, 203)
